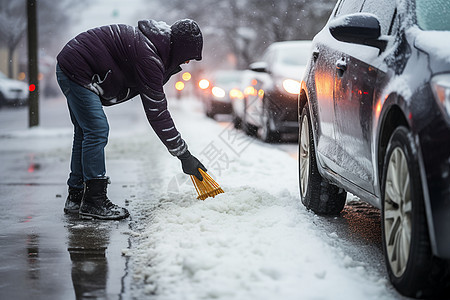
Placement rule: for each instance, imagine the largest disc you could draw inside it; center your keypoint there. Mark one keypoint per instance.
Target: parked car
(374, 121)
(239, 95)
(272, 110)
(216, 97)
(12, 92)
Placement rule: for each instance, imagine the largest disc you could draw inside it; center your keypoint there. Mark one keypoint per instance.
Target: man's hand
(191, 165)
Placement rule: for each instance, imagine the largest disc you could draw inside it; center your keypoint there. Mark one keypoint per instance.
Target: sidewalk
(44, 253)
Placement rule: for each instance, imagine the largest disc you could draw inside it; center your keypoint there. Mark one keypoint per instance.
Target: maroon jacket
(118, 62)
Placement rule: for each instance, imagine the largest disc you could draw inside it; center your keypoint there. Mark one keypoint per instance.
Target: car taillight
(250, 91)
(236, 94)
(440, 85)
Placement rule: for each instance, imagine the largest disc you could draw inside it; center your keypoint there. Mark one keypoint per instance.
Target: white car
(12, 92)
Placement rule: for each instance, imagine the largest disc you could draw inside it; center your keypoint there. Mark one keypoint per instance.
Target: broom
(207, 187)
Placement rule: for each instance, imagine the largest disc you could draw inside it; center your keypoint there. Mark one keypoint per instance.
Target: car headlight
(292, 86)
(440, 85)
(218, 92)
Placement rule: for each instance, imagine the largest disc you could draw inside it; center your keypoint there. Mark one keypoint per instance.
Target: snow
(399, 85)
(255, 241)
(435, 42)
(161, 27)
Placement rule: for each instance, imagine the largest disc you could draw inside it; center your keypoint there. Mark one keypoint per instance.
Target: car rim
(397, 212)
(304, 156)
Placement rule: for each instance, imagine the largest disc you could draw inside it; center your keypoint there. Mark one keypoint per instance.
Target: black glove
(191, 165)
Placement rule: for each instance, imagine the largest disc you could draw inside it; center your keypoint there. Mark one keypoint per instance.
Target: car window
(349, 7)
(383, 9)
(433, 14)
(296, 56)
(268, 58)
(228, 78)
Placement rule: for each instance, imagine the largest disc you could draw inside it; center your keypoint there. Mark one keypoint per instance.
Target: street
(255, 241)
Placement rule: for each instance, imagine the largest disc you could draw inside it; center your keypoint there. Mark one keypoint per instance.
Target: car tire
(248, 128)
(2, 100)
(266, 133)
(237, 122)
(412, 268)
(316, 193)
(209, 110)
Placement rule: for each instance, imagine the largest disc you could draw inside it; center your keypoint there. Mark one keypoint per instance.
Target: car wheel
(209, 110)
(237, 122)
(411, 266)
(316, 193)
(266, 133)
(248, 128)
(2, 100)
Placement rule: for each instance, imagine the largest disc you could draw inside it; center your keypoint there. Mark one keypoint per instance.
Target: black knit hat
(186, 41)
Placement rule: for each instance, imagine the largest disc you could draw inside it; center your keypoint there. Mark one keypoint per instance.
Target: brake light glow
(236, 94)
(179, 86)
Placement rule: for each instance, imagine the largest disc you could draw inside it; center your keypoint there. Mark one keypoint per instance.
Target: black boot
(73, 201)
(96, 205)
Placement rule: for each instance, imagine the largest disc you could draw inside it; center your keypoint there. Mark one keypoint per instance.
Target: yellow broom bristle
(207, 187)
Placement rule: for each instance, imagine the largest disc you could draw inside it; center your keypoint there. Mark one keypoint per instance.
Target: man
(109, 65)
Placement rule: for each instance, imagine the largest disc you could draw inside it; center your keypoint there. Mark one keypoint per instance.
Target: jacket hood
(175, 44)
(159, 34)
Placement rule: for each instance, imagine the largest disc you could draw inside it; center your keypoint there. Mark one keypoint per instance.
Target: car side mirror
(259, 67)
(360, 28)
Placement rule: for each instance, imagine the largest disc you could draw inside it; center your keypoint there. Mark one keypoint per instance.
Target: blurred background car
(375, 121)
(216, 96)
(271, 107)
(12, 92)
(239, 94)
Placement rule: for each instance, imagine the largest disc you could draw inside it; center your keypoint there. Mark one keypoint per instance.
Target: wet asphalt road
(48, 255)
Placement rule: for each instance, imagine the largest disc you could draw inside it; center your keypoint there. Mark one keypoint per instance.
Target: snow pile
(255, 241)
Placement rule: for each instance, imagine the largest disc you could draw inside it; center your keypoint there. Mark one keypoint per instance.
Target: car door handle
(315, 55)
(341, 67)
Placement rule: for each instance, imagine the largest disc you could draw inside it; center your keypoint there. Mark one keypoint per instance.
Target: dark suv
(374, 118)
(272, 109)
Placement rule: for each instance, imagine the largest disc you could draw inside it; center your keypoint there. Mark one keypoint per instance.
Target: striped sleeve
(162, 123)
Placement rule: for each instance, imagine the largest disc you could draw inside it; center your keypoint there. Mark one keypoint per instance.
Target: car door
(326, 53)
(355, 80)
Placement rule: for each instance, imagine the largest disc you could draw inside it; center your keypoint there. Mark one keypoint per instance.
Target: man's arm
(162, 123)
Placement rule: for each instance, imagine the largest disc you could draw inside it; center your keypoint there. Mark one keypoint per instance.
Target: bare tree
(243, 29)
(53, 18)
(12, 27)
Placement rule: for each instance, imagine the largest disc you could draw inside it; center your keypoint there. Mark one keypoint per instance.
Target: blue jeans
(90, 131)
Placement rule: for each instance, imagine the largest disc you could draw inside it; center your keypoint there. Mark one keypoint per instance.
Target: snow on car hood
(435, 43)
